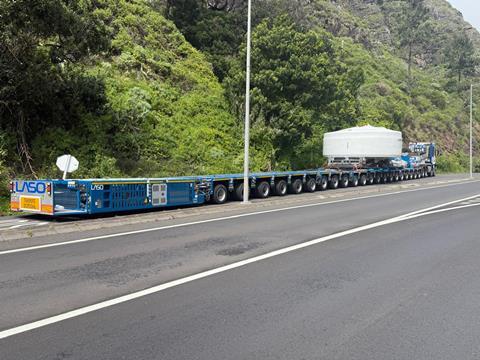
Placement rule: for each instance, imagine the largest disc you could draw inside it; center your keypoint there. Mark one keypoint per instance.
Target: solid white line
(134, 232)
(18, 226)
(441, 205)
(155, 289)
(12, 220)
(442, 210)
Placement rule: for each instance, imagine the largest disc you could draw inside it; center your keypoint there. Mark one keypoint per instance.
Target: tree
(413, 28)
(460, 56)
(299, 89)
(217, 28)
(38, 42)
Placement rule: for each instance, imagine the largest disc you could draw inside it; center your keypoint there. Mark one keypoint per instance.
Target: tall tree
(38, 41)
(460, 56)
(299, 89)
(413, 28)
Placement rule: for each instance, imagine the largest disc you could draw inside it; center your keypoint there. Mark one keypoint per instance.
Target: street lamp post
(246, 187)
(471, 131)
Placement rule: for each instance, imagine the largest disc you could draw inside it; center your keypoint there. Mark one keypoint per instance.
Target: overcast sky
(470, 10)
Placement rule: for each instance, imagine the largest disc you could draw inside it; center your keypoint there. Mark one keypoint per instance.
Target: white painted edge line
(13, 220)
(18, 226)
(155, 289)
(95, 238)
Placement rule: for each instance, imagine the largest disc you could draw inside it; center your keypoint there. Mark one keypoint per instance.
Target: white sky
(470, 10)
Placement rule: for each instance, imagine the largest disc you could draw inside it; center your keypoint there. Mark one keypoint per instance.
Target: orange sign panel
(30, 203)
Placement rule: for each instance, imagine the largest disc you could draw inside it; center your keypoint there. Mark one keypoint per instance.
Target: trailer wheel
(219, 194)
(397, 177)
(262, 190)
(371, 179)
(377, 179)
(296, 186)
(281, 188)
(323, 183)
(238, 192)
(334, 182)
(363, 180)
(354, 181)
(344, 181)
(311, 185)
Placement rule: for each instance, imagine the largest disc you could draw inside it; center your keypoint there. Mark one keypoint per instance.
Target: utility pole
(471, 131)
(246, 187)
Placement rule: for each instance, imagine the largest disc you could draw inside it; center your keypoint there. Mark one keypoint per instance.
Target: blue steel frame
(97, 196)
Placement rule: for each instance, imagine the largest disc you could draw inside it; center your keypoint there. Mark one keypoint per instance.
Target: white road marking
(14, 224)
(155, 289)
(12, 220)
(142, 231)
(441, 205)
(17, 226)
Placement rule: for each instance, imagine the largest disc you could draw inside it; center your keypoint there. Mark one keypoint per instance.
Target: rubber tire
(363, 180)
(344, 181)
(262, 191)
(377, 179)
(296, 187)
(323, 184)
(220, 194)
(354, 181)
(238, 192)
(281, 188)
(311, 185)
(397, 177)
(333, 182)
(371, 179)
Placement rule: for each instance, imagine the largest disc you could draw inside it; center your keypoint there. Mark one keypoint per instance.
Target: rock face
(373, 23)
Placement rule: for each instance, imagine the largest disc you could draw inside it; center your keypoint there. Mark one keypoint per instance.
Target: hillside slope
(431, 104)
(147, 105)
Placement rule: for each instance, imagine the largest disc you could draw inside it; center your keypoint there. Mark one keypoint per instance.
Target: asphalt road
(400, 290)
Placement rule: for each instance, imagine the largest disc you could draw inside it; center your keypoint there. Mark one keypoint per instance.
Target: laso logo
(31, 187)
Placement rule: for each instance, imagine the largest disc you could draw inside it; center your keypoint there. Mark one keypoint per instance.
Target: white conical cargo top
(363, 141)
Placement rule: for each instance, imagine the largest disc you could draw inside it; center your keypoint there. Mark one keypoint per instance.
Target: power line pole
(246, 187)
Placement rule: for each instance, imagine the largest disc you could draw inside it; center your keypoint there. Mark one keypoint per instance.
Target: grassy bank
(4, 206)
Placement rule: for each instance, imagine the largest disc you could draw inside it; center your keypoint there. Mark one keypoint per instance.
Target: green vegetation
(135, 88)
(300, 88)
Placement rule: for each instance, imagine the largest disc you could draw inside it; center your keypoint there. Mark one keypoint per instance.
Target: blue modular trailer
(99, 196)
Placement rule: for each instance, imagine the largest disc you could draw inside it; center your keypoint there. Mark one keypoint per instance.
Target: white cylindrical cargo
(363, 142)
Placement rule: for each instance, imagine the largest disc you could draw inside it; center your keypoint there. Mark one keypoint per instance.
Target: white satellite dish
(67, 164)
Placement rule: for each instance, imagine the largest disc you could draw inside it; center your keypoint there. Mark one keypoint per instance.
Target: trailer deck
(99, 196)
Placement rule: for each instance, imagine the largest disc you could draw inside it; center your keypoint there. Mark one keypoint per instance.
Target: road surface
(382, 276)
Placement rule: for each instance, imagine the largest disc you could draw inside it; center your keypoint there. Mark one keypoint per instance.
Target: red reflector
(49, 188)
